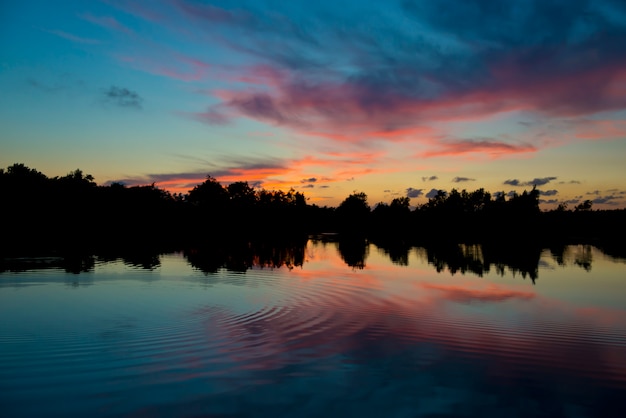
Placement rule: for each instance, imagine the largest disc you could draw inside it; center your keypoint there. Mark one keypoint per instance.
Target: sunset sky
(392, 98)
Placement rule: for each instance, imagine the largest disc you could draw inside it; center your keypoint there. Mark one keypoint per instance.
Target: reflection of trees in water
(243, 255)
(71, 263)
(353, 251)
(477, 259)
(580, 255)
(240, 256)
(398, 252)
(458, 258)
(140, 259)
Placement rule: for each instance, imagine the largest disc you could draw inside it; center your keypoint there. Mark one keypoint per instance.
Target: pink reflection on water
(342, 318)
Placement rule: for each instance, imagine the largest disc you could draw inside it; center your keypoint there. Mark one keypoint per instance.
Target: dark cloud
(462, 179)
(549, 201)
(123, 97)
(308, 186)
(534, 182)
(325, 186)
(431, 178)
(533, 42)
(433, 192)
(548, 192)
(184, 179)
(309, 180)
(412, 193)
(607, 200)
(539, 181)
(248, 169)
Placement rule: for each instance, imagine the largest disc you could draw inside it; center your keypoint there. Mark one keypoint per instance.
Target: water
(323, 329)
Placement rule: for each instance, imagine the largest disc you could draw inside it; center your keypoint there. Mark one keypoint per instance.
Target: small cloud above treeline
(412, 193)
(462, 179)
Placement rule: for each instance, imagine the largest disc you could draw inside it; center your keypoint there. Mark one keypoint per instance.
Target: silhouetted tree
(353, 213)
(584, 206)
(241, 195)
(353, 251)
(209, 194)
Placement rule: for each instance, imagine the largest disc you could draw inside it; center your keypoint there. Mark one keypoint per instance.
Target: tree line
(73, 212)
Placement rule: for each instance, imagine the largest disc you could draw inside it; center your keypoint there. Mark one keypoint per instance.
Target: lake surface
(321, 329)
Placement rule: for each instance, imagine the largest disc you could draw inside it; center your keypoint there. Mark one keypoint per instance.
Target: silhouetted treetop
(210, 192)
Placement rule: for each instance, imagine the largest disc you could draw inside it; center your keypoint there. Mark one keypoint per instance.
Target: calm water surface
(315, 331)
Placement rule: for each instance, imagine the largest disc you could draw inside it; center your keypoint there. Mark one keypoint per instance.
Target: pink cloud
(354, 114)
(491, 148)
(389, 95)
(600, 129)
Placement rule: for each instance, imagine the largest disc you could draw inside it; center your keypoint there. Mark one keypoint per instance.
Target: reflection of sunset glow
(490, 293)
(328, 310)
(343, 318)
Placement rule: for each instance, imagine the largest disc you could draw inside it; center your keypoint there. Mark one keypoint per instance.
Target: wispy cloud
(490, 147)
(107, 22)
(71, 37)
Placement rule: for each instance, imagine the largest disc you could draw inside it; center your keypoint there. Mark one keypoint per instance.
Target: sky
(392, 98)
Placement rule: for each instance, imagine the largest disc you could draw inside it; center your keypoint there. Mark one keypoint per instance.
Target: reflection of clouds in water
(491, 293)
(328, 318)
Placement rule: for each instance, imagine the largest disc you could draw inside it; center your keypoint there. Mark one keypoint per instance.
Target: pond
(317, 329)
